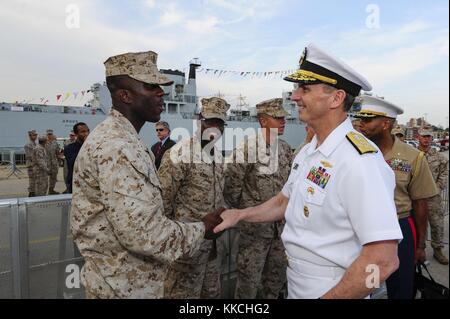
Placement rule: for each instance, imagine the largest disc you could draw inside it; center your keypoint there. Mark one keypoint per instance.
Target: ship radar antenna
(242, 103)
(196, 62)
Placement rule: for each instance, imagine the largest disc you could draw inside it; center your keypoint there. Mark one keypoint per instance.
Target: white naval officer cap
(372, 106)
(317, 66)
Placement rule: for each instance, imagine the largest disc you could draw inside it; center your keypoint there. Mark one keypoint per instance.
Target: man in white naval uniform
(341, 233)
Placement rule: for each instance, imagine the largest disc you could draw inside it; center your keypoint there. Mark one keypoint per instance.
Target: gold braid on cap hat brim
(370, 112)
(303, 75)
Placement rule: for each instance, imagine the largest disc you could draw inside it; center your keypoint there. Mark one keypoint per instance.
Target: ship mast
(241, 104)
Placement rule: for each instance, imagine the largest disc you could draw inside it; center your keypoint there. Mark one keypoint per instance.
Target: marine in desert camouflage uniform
(117, 216)
(192, 184)
(41, 169)
(53, 150)
(29, 150)
(261, 260)
(439, 168)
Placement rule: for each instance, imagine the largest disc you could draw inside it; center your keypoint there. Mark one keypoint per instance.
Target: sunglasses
(160, 129)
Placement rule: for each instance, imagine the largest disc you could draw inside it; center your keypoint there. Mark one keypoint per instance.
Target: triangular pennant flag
(75, 94)
(82, 93)
(66, 96)
(58, 97)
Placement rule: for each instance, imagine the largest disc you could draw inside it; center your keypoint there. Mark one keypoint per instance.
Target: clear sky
(402, 47)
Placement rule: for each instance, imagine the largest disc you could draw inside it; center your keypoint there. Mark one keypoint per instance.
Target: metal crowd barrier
(36, 247)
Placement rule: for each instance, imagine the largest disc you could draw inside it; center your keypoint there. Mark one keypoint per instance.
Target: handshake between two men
(220, 220)
(211, 221)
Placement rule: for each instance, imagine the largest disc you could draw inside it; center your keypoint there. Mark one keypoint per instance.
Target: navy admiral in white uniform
(342, 233)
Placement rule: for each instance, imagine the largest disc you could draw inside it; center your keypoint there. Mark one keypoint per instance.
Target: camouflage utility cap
(140, 66)
(272, 107)
(215, 107)
(398, 130)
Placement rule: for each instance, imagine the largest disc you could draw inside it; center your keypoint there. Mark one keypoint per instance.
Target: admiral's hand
(230, 218)
(211, 220)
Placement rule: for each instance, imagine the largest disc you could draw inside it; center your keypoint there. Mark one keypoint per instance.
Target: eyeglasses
(160, 129)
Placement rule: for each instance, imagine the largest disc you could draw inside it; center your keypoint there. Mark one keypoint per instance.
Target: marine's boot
(440, 257)
(52, 192)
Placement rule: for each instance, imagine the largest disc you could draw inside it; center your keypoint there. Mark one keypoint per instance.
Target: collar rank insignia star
(360, 143)
(295, 167)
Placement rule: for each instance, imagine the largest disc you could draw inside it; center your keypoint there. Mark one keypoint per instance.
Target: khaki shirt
(117, 216)
(249, 183)
(412, 175)
(191, 188)
(439, 168)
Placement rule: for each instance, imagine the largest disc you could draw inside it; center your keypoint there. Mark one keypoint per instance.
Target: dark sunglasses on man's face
(160, 130)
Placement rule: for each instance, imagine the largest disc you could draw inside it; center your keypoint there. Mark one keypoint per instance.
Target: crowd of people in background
(44, 156)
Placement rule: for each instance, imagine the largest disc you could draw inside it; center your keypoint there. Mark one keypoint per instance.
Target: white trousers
(311, 281)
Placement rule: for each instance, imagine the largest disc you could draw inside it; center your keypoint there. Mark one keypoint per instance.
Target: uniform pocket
(147, 170)
(312, 193)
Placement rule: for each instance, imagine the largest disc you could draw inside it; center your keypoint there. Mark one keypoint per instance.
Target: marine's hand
(230, 218)
(421, 256)
(211, 220)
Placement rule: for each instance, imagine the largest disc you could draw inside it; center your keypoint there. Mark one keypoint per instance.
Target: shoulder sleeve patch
(360, 143)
